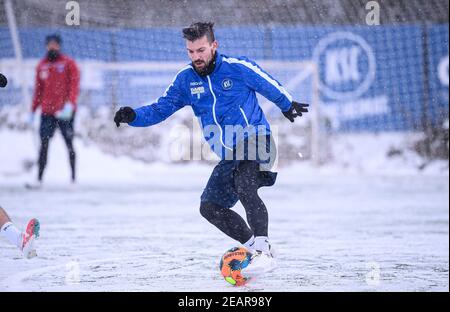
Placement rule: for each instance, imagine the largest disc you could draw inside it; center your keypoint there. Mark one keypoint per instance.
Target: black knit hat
(53, 37)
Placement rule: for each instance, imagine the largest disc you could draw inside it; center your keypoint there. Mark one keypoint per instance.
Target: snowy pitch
(129, 226)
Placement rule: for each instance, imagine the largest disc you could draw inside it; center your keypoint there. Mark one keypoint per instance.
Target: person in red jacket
(56, 92)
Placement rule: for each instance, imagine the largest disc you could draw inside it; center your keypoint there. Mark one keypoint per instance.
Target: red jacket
(57, 82)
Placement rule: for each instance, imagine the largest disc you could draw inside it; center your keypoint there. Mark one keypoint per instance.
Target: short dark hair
(198, 30)
(53, 37)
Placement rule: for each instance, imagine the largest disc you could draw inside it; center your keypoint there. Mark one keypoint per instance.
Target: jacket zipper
(243, 114)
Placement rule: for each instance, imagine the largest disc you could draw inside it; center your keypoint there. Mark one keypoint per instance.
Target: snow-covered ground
(130, 226)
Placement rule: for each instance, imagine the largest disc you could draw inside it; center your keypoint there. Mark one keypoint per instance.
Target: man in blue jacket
(222, 93)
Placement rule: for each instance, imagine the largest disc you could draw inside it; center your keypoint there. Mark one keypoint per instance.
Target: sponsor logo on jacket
(197, 90)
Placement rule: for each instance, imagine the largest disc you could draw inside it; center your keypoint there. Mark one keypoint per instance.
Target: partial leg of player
(24, 240)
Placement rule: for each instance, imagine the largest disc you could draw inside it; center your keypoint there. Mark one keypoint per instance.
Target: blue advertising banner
(371, 78)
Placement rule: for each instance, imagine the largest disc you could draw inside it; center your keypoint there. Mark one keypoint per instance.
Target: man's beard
(208, 68)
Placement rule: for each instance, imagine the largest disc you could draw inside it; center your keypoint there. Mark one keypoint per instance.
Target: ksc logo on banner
(443, 71)
(438, 74)
(349, 65)
(347, 70)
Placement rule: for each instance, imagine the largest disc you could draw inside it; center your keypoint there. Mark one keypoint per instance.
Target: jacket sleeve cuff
(138, 119)
(285, 105)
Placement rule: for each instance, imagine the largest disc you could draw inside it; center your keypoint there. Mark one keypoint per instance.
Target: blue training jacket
(224, 98)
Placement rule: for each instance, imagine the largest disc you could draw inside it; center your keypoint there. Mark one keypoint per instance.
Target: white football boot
(31, 233)
(253, 246)
(262, 260)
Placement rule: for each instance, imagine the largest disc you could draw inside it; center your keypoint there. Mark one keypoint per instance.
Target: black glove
(3, 81)
(295, 110)
(124, 115)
